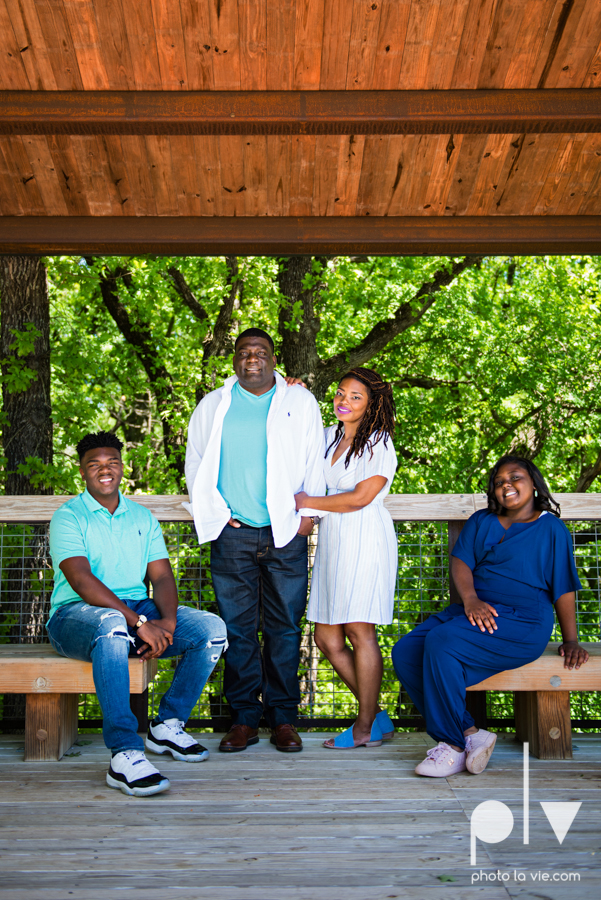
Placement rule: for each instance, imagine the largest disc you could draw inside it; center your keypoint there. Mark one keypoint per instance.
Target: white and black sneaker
(169, 737)
(131, 773)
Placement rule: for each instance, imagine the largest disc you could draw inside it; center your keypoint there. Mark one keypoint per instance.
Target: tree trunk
(587, 475)
(298, 324)
(26, 432)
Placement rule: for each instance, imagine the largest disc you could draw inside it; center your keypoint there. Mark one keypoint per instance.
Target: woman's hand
(290, 381)
(481, 614)
(574, 655)
(301, 500)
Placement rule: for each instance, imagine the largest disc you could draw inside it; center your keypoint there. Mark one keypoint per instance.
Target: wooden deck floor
(263, 825)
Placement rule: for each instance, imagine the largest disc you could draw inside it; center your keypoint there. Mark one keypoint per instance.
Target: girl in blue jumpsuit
(511, 564)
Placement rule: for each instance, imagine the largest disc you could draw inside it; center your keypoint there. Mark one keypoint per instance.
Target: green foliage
(507, 356)
(16, 375)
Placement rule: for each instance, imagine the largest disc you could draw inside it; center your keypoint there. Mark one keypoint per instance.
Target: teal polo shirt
(242, 478)
(118, 547)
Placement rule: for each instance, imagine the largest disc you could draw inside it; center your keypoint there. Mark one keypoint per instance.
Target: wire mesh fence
(422, 587)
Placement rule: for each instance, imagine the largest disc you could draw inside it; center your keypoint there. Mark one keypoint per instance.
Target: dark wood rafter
(301, 235)
(300, 112)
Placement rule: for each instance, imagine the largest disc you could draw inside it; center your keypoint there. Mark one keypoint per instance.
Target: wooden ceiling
(351, 46)
(330, 175)
(256, 45)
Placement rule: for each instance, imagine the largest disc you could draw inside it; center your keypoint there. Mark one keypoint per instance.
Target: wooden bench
(52, 684)
(542, 699)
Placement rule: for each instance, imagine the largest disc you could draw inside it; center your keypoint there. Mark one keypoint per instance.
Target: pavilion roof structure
(370, 126)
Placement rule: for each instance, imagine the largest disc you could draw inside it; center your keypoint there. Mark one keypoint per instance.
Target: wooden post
(139, 706)
(543, 719)
(50, 725)
(475, 703)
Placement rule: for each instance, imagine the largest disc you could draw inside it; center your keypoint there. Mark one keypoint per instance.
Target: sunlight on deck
(263, 825)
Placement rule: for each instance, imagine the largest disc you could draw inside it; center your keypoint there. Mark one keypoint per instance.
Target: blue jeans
(260, 587)
(100, 635)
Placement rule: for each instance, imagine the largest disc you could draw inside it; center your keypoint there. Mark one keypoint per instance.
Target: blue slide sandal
(385, 724)
(345, 741)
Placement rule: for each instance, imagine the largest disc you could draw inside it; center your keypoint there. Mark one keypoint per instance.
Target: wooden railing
(402, 507)
(454, 509)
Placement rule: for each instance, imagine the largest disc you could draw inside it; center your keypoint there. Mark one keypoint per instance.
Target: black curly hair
(98, 439)
(378, 423)
(544, 500)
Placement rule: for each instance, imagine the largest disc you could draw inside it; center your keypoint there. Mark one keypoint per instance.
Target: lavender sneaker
(479, 747)
(441, 761)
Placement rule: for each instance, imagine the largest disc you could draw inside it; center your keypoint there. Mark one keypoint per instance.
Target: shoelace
(134, 756)
(137, 758)
(437, 752)
(178, 731)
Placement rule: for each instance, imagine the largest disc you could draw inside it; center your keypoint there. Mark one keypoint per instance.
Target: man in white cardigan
(252, 445)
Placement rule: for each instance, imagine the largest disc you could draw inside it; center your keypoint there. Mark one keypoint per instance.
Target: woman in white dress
(353, 581)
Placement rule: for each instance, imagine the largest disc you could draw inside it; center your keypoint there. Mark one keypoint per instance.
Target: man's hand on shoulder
(290, 381)
(156, 636)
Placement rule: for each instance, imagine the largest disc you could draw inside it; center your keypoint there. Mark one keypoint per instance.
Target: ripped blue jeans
(101, 635)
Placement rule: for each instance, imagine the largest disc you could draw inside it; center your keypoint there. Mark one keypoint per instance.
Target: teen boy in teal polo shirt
(103, 546)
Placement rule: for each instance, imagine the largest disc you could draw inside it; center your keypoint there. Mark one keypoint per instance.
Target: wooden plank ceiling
(302, 45)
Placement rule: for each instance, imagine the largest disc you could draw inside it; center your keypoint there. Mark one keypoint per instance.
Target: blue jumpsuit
(521, 572)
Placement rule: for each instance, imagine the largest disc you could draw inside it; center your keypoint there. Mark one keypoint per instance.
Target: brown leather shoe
(286, 738)
(238, 738)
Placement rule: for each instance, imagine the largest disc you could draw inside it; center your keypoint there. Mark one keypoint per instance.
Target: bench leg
(475, 703)
(543, 719)
(139, 706)
(50, 725)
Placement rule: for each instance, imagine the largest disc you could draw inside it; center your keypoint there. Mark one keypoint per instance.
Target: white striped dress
(356, 561)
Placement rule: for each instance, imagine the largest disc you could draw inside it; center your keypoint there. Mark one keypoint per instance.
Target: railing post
(475, 701)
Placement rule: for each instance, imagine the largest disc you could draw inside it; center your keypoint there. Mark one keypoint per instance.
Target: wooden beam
(455, 508)
(563, 110)
(281, 236)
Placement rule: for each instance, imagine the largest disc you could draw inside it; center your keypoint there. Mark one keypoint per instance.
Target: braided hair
(378, 422)
(544, 501)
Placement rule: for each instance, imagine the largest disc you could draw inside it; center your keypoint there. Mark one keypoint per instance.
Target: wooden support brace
(139, 706)
(543, 719)
(475, 703)
(50, 725)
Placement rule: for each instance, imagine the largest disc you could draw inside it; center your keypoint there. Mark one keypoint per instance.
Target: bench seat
(542, 698)
(52, 684)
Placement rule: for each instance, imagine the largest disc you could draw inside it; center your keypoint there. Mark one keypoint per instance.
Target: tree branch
(184, 290)
(501, 437)
(588, 475)
(407, 454)
(140, 339)
(421, 381)
(221, 332)
(385, 331)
